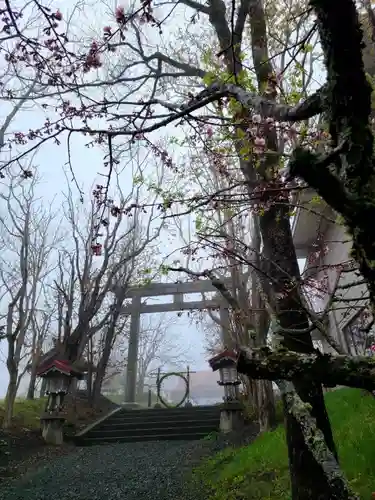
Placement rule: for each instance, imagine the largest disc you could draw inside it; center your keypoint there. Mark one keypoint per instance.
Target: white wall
(339, 246)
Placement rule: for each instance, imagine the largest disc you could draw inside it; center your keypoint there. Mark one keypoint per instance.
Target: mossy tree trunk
(331, 370)
(307, 477)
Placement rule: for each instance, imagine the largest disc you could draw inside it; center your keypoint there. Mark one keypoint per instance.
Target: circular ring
(162, 401)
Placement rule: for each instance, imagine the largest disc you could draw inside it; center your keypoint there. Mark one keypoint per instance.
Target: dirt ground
(22, 447)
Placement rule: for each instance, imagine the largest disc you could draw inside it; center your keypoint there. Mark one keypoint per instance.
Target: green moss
(260, 471)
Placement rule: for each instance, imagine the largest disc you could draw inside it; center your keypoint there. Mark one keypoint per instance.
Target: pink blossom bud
(260, 142)
(259, 145)
(120, 14)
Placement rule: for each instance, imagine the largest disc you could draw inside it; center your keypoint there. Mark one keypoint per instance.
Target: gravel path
(125, 471)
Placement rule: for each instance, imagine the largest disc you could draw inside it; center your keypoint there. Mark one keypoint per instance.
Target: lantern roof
(56, 359)
(58, 366)
(228, 357)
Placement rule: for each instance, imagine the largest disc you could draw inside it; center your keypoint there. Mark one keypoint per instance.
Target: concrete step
(157, 424)
(177, 410)
(135, 438)
(199, 429)
(162, 414)
(156, 418)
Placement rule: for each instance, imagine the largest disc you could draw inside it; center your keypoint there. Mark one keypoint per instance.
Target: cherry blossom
(92, 59)
(58, 15)
(259, 145)
(120, 15)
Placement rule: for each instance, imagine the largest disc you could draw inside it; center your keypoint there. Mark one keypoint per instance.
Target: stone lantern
(231, 414)
(58, 375)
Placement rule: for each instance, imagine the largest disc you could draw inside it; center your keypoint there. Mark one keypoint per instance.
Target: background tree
(159, 348)
(108, 243)
(28, 242)
(41, 324)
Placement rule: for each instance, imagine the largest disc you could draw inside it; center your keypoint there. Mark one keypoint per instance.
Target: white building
(322, 240)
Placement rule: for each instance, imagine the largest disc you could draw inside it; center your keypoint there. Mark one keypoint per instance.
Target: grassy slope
(260, 471)
(26, 413)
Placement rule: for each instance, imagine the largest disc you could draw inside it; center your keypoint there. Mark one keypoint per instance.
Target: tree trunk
(73, 388)
(335, 484)
(43, 388)
(90, 374)
(98, 381)
(308, 480)
(31, 389)
(101, 367)
(261, 396)
(10, 399)
(89, 385)
(32, 382)
(279, 263)
(266, 406)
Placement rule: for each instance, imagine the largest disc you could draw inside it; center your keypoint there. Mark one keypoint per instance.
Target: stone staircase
(156, 424)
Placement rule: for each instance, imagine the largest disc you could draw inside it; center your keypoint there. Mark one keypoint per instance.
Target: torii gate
(136, 308)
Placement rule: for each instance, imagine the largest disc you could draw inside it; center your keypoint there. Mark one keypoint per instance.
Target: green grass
(26, 412)
(260, 471)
